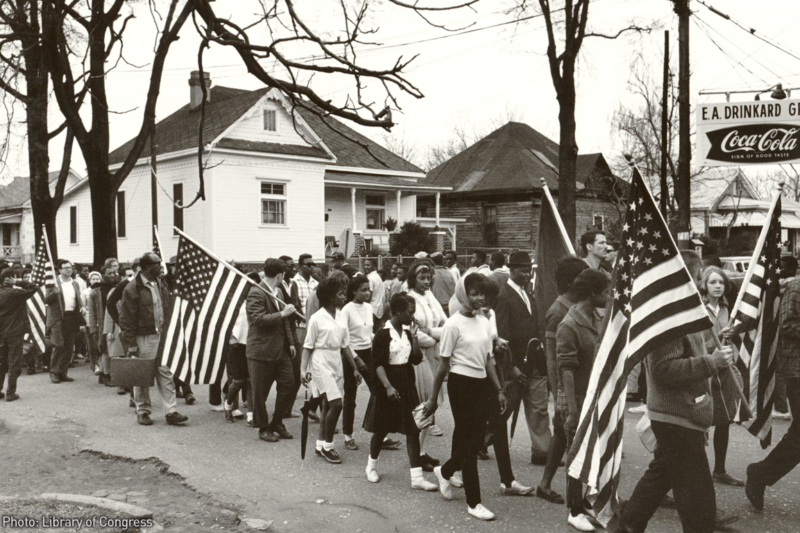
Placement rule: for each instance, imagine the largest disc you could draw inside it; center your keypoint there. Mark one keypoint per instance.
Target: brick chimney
(195, 91)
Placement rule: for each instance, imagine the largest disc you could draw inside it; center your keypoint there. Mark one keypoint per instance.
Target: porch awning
(752, 218)
(373, 181)
(11, 219)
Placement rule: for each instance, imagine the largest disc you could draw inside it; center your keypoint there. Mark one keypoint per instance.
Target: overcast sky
(483, 75)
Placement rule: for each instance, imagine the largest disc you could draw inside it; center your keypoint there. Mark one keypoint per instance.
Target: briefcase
(132, 372)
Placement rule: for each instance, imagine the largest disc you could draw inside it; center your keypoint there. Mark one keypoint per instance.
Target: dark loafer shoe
(229, 417)
(55, 378)
(722, 520)
(727, 479)
(391, 444)
(282, 433)
(268, 436)
(144, 419)
(190, 399)
(549, 495)
(66, 378)
(350, 444)
(753, 491)
(11, 396)
(174, 419)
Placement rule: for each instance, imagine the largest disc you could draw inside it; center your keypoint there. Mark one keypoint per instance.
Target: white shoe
(444, 484)
(421, 483)
(373, 477)
(481, 513)
(434, 431)
(217, 408)
(456, 481)
(237, 413)
(580, 522)
(641, 409)
(781, 416)
(516, 489)
(97, 371)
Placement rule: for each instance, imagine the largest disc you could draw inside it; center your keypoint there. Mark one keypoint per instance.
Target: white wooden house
(276, 183)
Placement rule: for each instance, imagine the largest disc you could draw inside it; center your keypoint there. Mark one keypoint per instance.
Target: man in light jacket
(63, 320)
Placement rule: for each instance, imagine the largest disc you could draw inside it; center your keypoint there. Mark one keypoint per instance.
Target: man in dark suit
(517, 322)
(63, 320)
(271, 345)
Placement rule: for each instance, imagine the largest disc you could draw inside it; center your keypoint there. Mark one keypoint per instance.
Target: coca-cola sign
(754, 143)
(748, 133)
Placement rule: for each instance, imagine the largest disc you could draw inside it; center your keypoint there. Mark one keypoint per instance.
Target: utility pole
(665, 131)
(682, 187)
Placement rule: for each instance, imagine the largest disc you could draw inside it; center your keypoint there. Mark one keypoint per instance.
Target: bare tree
(99, 26)
(400, 146)
(568, 35)
(24, 79)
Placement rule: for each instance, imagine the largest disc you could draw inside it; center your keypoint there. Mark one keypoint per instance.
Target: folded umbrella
(304, 428)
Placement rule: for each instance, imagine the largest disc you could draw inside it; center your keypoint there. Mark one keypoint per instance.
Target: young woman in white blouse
(356, 316)
(465, 353)
(430, 317)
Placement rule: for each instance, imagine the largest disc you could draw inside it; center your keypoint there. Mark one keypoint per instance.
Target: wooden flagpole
(53, 268)
(160, 249)
(558, 217)
(227, 265)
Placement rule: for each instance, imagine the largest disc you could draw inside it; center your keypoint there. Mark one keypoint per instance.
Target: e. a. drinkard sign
(748, 133)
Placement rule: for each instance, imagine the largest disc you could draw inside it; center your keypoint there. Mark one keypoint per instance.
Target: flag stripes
(655, 301)
(209, 298)
(41, 275)
(756, 320)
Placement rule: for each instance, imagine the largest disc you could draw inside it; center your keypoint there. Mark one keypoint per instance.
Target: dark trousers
(499, 431)
(470, 404)
(62, 334)
(680, 464)
(351, 390)
(10, 361)
(786, 454)
(262, 375)
(574, 486)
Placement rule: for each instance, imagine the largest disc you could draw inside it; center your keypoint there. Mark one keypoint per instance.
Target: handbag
(420, 419)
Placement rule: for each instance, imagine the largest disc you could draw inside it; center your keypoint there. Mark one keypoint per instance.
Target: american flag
(654, 301)
(41, 276)
(755, 318)
(208, 298)
(157, 249)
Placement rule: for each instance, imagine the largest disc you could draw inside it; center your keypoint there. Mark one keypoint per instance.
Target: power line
(751, 31)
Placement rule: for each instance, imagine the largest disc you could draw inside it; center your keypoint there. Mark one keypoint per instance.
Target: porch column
(438, 196)
(353, 208)
(399, 194)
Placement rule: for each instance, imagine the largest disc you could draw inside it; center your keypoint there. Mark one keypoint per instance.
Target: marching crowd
(420, 335)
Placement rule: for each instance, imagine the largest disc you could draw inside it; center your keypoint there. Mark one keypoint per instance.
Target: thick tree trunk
(42, 205)
(568, 149)
(104, 217)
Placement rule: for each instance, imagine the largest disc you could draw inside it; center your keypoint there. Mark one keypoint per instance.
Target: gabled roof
(512, 158)
(18, 191)
(179, 131)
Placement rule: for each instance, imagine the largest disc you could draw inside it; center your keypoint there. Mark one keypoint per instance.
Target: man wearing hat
(517, 322)
(337, 260)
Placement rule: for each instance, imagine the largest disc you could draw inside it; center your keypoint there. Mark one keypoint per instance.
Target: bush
(412, 238)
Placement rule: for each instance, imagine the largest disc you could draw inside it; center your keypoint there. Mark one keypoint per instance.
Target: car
(735, 267)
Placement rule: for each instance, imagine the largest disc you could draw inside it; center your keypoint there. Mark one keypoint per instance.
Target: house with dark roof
(277, 180)
(731, 212)
(16, 216)
(496, 185)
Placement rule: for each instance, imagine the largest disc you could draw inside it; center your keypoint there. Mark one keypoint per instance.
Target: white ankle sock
(319, 444)
(416, 473)
(372, 464)
(327, 445)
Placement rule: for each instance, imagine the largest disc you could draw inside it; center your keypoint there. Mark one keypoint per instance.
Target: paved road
(229, 462)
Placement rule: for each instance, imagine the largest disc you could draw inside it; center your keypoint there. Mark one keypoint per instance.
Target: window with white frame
(273, 203)
(270, 120)
(597, 221)
(376, 211)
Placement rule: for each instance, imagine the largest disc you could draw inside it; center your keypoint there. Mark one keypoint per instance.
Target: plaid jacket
(789, 349)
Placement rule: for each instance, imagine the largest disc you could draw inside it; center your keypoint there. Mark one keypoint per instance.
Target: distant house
(275, 184)
(496, 187)
(732, 213)
(16, 216)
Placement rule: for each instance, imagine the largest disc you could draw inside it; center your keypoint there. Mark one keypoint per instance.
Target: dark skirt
(390, 416)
